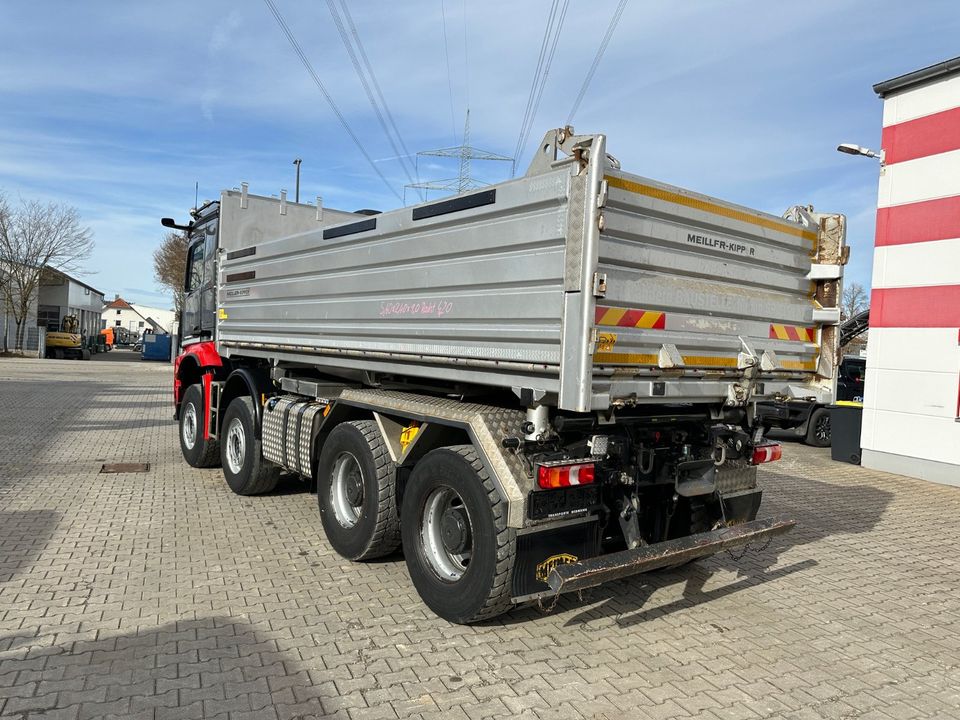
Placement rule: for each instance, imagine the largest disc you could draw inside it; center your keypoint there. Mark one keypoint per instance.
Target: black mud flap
(598, 570)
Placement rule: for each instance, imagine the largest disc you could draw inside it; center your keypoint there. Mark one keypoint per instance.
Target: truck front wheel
(459, 550)
(356, 491)
(196, 451)
(244, 468)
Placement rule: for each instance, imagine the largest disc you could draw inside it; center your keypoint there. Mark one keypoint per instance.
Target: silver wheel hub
(190, 426)
(446, 534)
(346, 490)
(236, 446)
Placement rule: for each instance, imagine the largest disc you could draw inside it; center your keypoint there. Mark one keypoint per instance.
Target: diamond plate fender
(486, 425)
(735, 476)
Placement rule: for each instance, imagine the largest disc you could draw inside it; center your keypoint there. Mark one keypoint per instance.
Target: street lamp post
(297, 192)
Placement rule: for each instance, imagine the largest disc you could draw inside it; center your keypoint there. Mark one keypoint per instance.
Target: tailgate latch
(599, 284)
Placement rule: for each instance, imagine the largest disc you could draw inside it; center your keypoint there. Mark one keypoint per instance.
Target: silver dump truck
(533, 388)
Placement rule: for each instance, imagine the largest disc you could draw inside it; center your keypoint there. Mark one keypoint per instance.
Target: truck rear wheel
(357, 493)
(459, 551)
(818, 428)
(246, 471)
(196, 451)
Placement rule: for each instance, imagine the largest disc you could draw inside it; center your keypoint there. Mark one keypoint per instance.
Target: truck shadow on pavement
(203, 668)
(821, 509)
(24, 535)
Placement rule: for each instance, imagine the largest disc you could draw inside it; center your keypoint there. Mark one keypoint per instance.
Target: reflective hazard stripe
(792, 332)
(623, 317)
(691, 361)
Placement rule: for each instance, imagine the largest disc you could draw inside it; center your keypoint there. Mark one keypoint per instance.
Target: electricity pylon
(465, 153)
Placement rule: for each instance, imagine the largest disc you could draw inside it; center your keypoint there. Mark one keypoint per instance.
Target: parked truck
(534, 388)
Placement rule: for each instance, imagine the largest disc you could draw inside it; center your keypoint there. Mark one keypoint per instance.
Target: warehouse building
(911, 415)
(57, 296)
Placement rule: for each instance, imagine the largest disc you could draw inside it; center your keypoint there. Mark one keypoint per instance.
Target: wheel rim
(190, 426)
(236, 446)
(446, 534)
(346, 490)
(822, 429)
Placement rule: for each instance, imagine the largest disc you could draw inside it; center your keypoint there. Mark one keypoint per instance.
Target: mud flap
(598, 570)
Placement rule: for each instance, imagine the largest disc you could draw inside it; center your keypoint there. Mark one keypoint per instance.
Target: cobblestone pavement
(163, 595)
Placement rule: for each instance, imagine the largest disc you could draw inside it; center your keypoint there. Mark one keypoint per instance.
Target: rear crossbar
(598, 570)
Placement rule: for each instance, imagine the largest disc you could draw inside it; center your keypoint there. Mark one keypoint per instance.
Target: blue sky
(119, 108)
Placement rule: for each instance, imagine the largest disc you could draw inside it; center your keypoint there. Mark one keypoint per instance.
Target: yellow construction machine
(67, 343)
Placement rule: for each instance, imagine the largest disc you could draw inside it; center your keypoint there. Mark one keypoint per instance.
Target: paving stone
(164, 595)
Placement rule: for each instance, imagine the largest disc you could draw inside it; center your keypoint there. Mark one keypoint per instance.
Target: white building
(61, 295)
(911, 414)
(57, 296)
(136, 318)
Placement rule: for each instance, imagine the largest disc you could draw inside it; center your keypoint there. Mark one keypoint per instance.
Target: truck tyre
(459, 551)
(244, 468)
(357, 492)
(196, 451)
(818, 428)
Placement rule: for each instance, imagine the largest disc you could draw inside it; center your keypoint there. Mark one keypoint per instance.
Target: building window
(141, 323)
(119, 323)
(118, 312)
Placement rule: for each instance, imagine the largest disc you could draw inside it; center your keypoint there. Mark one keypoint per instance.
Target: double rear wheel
(356, 491)
(459, 550)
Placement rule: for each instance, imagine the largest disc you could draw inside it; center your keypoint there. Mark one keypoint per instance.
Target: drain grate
(124, 467)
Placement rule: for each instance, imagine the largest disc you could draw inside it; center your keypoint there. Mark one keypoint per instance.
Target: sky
(120, 108)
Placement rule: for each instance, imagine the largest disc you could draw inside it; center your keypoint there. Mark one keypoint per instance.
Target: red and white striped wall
(912, 393)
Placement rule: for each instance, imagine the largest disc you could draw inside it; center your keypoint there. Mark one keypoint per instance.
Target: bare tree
(34, 236)
(855, 299)
(170, 265)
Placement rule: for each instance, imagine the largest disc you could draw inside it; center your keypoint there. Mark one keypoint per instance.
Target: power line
(548, 48)
(536, 74)
(366, 85)
(446, 54)
(466, 59)
(373, 78)
(333, 106)
(596, 60)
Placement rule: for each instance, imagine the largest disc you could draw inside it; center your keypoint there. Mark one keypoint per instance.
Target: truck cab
(198, 319)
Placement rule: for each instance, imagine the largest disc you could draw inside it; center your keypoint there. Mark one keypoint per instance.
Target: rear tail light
(768, 452)
(558, 476)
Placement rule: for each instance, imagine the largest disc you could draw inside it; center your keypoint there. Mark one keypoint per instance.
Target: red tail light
(768, 452)
(558, 476)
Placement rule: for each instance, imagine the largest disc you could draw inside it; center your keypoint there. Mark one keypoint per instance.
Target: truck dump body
(583, 284)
